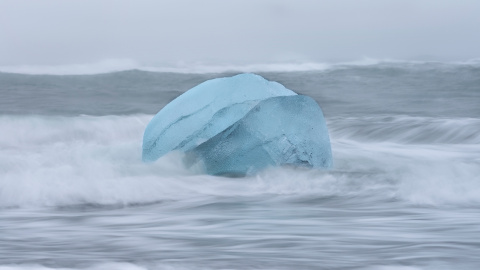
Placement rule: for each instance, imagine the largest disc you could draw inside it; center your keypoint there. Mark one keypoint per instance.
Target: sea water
(404, 192)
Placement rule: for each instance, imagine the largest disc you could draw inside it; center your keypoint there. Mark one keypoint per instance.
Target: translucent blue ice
(204, 111)
(239, 125)
(278, 131)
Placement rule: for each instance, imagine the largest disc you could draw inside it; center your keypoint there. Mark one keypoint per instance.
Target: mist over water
(404, 192)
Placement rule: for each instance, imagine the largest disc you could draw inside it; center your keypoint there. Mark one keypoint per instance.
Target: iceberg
(239, 125)
(204, 111)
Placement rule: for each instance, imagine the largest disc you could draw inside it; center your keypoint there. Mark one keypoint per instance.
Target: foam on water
(130, 266)
(59, 161)
(115, 65)
(105, 66)
(407, 129)
(404, 192)
(103, 266)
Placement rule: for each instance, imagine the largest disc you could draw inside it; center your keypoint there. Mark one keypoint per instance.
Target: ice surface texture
(239, 125)
(204, 111)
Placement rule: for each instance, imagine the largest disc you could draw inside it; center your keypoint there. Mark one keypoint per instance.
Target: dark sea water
(404, 192)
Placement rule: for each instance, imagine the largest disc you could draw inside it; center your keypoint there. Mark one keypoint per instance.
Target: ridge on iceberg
(239, 125)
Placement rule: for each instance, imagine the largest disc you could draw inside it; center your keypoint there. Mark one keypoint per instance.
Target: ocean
(403, 194)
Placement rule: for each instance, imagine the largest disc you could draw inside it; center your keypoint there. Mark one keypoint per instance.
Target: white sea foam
(131, 266)
(104, 66)
(115, 65)
(54, 161)
(163, 266)
(407, 129)
(102, 266)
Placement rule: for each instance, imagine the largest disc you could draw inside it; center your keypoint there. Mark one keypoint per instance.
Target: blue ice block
(240, 125)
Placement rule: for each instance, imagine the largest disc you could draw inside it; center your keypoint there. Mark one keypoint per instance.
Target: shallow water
(404, 192)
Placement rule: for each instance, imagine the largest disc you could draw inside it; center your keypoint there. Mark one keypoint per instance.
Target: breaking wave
(116, 65)
(58, 161)
(407, 129)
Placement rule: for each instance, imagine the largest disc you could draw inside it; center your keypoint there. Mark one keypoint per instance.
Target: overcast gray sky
(59, 32)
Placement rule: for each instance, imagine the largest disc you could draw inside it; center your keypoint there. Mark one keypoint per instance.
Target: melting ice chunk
(204, 111)
(239, 125)
(279, 130)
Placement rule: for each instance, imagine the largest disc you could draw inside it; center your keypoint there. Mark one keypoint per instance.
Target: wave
(117, 65)
(105, 66)
(407, 129)
(101, 266)
(61, 161)
(166, 266)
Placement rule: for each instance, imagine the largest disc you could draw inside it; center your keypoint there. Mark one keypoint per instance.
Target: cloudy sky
(59, 32)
